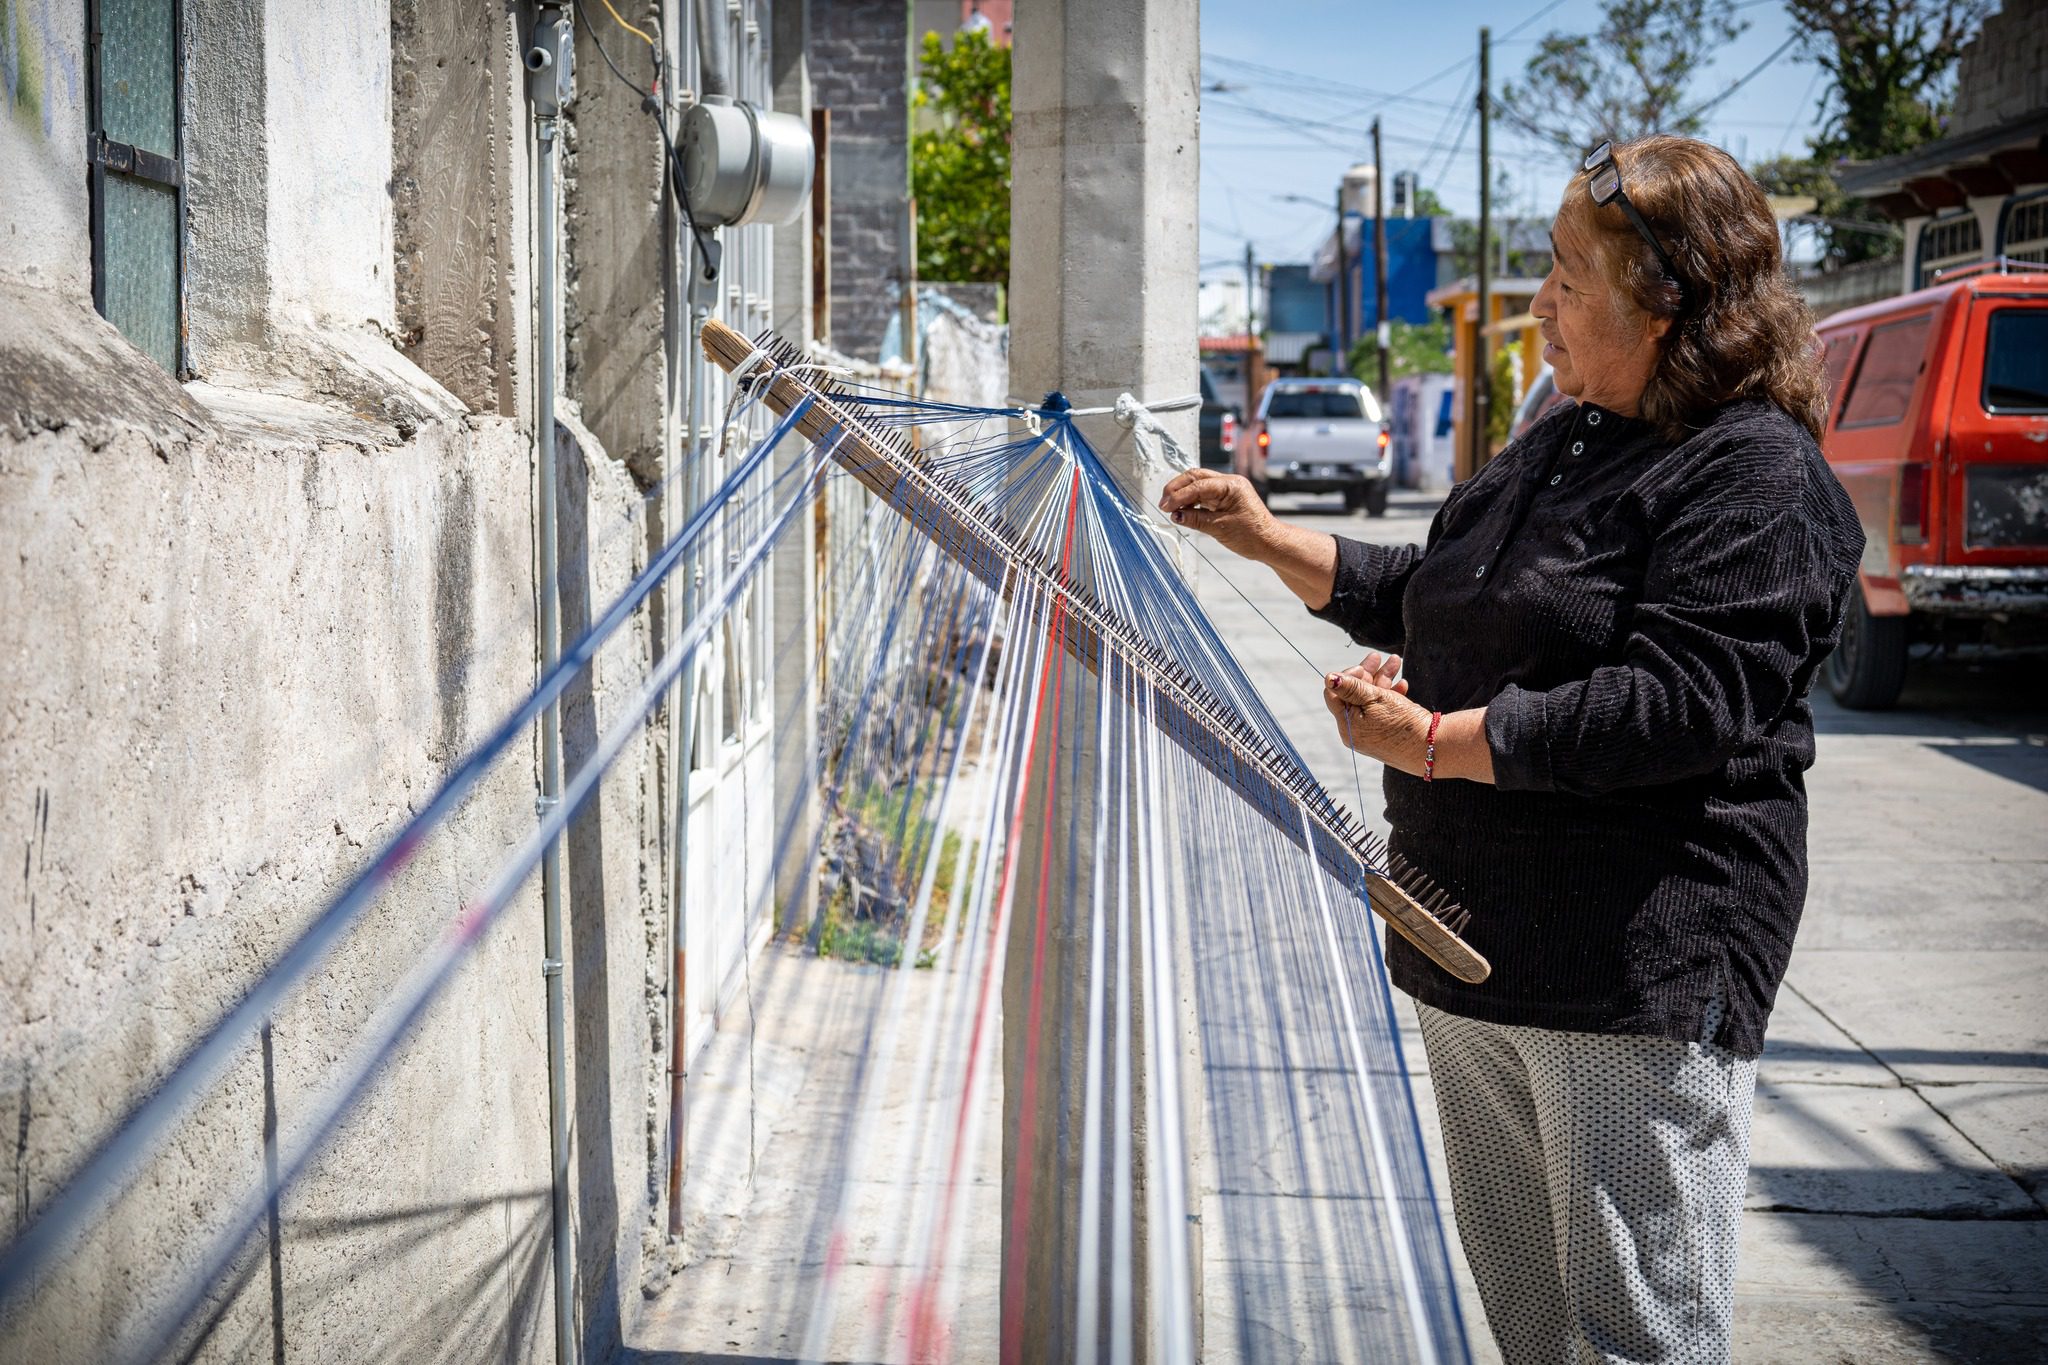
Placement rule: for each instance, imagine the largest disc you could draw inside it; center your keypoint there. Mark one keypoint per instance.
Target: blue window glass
(138, 74)
(137, 173)
(139, 264)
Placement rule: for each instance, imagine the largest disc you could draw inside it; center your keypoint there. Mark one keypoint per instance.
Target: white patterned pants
(1597, 1182)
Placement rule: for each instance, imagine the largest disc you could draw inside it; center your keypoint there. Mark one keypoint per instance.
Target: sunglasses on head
(1603, 181)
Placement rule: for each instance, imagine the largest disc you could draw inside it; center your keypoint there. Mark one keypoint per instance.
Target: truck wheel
(1868, 668)
(1376, 499)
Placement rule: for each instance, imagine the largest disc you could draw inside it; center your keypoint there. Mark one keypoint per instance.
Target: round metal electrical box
(745, 165)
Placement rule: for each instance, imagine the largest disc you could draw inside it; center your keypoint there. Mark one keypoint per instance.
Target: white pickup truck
(1319, 436)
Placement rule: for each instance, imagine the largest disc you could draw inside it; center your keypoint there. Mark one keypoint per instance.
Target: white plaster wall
(45, 229)
(328, 111)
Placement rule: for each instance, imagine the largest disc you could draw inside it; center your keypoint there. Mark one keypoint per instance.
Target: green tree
(1500, 394)
(960, 165)
(1427, 205)
(1889, 64)
(1849, 229)
(1626, 78)
(1889, 61)
(1412, 348)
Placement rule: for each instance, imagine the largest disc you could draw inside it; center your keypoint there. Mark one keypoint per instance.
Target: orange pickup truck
(1938, 429)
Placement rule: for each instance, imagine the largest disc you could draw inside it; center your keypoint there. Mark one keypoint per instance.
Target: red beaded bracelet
(1429, 747)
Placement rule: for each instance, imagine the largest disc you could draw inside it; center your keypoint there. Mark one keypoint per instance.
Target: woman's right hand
(1224, 506)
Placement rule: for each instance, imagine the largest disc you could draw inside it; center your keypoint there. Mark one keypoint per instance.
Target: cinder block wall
(2003, 73)
(861, 68)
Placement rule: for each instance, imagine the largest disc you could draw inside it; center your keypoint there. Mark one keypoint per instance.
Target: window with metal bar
(1947, 242)
(2024, 234)
(136, 165)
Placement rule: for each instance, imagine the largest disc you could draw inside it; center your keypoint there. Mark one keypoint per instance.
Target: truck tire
(1376, 498)
(1868, 667)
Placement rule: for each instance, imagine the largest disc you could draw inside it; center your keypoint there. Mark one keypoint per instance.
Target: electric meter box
(744, 165)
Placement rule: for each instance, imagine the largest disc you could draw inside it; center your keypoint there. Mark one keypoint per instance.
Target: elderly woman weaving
(1596, 742)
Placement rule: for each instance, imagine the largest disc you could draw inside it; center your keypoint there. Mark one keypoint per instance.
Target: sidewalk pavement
(1898, 1196)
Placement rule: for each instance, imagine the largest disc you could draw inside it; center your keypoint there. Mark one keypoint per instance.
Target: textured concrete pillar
(794, 576)
(1102, 300)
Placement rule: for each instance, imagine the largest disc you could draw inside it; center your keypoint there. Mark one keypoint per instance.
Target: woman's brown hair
(1738, 328)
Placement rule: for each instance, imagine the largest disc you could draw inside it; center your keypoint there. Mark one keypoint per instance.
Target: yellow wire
(626, 26)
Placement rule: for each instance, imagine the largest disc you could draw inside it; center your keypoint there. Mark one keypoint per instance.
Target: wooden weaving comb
(1276, 786)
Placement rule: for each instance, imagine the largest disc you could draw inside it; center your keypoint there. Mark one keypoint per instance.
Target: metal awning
(1290, 348)
(1945, 173)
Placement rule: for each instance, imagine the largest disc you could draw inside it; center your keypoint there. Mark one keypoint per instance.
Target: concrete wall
(255, 620)
(328, 87)
(458, 136)
(861, 69)
(1832, 291)
(263, 640)
(43, 206)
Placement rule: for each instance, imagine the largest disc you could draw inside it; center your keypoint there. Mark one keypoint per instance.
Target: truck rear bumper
(1315, 477)
(1958, 590)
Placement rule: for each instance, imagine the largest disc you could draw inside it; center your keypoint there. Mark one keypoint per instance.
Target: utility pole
(1481, 370)
(1343, 291)
(1379, 262)
(1251, 307)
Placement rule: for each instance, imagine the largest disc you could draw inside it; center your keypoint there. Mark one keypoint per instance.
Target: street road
(1898, 1200)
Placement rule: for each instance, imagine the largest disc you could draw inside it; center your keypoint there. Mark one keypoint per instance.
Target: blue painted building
(1412, 254)
(1297, 320)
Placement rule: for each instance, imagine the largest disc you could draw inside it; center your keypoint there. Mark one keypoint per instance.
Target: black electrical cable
(599, 44)
(708, 249)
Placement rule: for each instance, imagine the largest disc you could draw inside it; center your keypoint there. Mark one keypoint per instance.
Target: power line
(1459, 144)
(1751, 75)
(1525, 23)
(1799, 110)
(1299, 79)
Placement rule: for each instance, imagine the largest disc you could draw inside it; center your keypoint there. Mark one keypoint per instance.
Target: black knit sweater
(1641, 621)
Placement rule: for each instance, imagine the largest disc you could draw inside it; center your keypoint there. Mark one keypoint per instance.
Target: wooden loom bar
(1272, 784)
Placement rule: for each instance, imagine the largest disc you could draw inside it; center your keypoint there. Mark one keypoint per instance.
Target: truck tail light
(1383, 438)
(1228, 438)
(1264, 440)
(1913, 504)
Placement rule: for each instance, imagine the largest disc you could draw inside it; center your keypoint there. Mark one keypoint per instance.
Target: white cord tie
(754, 357)
(1160, 453)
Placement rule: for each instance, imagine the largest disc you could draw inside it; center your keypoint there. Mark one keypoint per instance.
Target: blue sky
(1337, 62)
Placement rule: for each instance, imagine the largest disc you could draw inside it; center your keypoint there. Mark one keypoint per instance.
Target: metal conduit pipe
(547, 65)
(678, 995)
(700, 292)
(679, 1022)
(713, 78)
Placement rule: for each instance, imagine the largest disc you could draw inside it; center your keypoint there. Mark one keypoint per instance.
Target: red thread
(1429, 747)
(924, 1317)
(1020, 1205)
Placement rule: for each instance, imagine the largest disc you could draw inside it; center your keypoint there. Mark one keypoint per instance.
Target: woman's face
(1602, 348)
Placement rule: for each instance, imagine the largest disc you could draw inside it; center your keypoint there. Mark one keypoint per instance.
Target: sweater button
(1479, 572)
(1592, 419)
(1556, 479)
(1578, 447)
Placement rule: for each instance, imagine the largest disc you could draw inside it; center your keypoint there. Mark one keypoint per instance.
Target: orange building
(1508, 322)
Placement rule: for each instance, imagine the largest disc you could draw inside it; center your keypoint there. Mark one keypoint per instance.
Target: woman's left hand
(1374, 716)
